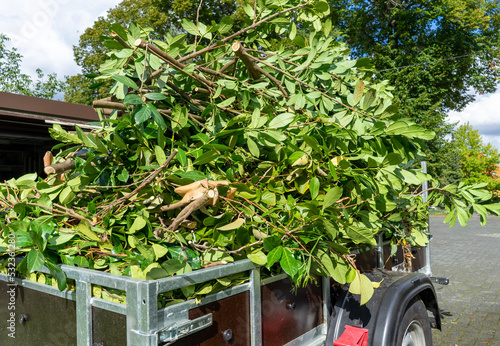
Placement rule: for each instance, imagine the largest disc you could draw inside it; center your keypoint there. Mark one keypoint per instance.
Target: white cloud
(484, 116)
(45, 31)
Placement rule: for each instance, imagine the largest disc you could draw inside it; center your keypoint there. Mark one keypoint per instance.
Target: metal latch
(181, 329)
(440, 280)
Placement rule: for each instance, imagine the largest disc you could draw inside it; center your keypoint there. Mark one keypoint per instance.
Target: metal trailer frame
(148, 325)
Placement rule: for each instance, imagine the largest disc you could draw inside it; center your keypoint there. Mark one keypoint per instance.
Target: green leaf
(392, 159)
(180, 115)
(397, 127)
(126, 81)
(258, 258)
(419, 238)
(84, 229)
(274, 256)
(334, 266)
(155, 96)
(225, 25)
(133, 99)
(293, 31)
(159, 251)
(312, 142)
(142, 115)
(138, 224)
(268, 197)
(332, 196)
(370, 97)
(322, 7)
(360, 235)
(61, 135)
(289, 264)
(160, 155)
(35, 260)
(206, 157)
(123, 176)
(330, 229)
(314, 186)
(281, 120)
(176, 266)
(227, 102)
(253, 148)
(248, 10)
(363, 286)
(58, 274)
(157, 117)
(358, 91)
(60, 239)
(270, 243)
(66, 195)
(190, 27)
(233, 225)
(84, 138)
(327, 26)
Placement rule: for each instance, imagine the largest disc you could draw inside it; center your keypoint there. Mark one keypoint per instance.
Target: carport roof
(21, 106)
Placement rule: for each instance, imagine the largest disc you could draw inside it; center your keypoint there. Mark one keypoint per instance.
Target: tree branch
(109, 105)
(167, 58)
(58, 168)
(117, 37)
(236, 34)
(145, 183)
(249, 63)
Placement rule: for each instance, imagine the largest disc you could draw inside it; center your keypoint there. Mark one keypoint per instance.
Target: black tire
(415, 328)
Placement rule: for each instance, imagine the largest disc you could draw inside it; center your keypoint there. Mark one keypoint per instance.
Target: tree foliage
(478, 161)
(434, 52)
(229, 146)
(14, 81)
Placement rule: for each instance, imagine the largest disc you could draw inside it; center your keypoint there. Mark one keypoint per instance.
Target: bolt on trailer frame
(148, 325)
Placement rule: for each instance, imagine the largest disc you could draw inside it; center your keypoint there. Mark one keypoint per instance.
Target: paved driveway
(470, 305)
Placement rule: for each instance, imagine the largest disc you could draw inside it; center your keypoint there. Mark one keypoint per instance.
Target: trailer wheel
(415, 328)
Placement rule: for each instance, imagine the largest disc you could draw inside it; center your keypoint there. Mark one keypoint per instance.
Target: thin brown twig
(197, 20)
(145, 183)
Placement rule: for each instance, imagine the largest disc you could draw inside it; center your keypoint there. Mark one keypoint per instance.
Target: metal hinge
(181, 329)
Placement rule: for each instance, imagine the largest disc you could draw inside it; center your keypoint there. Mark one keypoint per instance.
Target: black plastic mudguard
(383, 312)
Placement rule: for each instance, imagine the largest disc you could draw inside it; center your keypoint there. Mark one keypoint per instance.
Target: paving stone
(470, 305)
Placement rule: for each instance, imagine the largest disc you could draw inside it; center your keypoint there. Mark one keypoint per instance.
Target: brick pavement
(470, 305)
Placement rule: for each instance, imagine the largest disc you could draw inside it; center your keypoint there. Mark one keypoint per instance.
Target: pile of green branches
(267, 143)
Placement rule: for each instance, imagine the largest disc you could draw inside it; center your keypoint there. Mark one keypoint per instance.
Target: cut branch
(179, 66)
(252, 67)
(228, 65)
(109, 105)
(189, 209)
(47, 159)
(117, 38)
(58, 168)
(249, 63)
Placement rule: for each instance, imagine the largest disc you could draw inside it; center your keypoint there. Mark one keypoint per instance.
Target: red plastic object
(352, 336)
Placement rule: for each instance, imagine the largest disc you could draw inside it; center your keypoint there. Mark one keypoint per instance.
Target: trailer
(261, 311)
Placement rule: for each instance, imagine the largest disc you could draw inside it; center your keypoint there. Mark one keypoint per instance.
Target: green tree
(478, 161)
(14, 81)
(433, 52)
(163, 16)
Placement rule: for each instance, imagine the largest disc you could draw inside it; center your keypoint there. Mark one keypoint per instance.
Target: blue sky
(45, 31)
